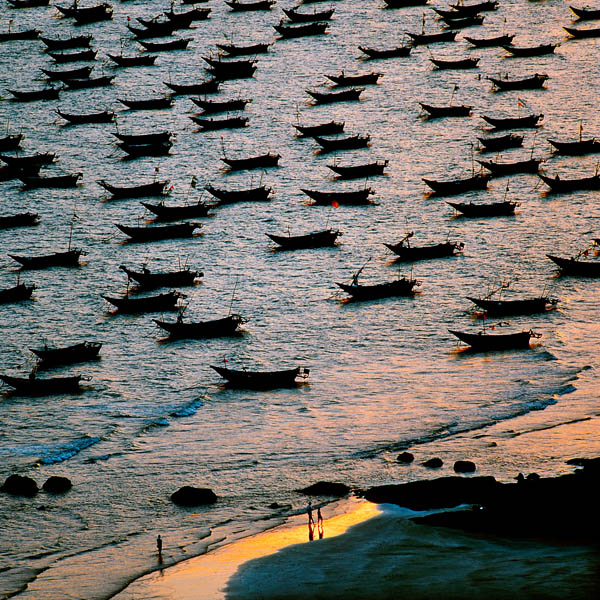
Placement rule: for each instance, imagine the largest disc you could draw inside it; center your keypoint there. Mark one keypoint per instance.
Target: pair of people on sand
(312, 524)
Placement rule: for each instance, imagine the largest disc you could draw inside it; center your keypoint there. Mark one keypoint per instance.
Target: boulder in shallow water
(192, 496)
(19, 485)
(464, 466)
(325, 488)
(405, 457)
(57, 485)
(433, 463)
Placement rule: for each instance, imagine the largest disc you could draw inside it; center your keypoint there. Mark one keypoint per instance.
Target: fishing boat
(534, 82)
(559, 185)
(52, 357)
(143, 60)
(28, 161)
(462, 63)
(217, 106)
(340, 96)
(577, 33)
(360, 79)
(93, 14)
(404, 3)
(184, 19)
(514, 122)
(424, 39)
(68, 57)
(499, 169)
(81, 84)
(358, 171)
(215, 124)
(24, 34)
(223, 71)
(316, 239)
(19, 220)
(301, 30)
(177, 44)
(179, 330)
(46, 386)
(16, 293)
(446, 111)
(491, 209)
(521, 306)
(166, 212)
(153, 149)
(236, 50)
(490, 342)
(55, 181)
(49, 93)
(11, 142)
(254, 162)
(499, 40)
(351, 198)
(477, 7)
(398, 287)
(10, 172)
(162, 302)
(70, 258)
(342, 143)
(148, 103)
(235, 5)
(208, 86)
(162, 232)
(262, 380)
(542, 49)
(329, 128)
(585, 13)
(257, 194)
(155, 188)
(407, 253)
(156, 29)
(458, 186)
(77, 41)
(576, 147)
(299, 17)
(460, 21)
(147, 280)
(576, 266)
(376, 53)
(62, 75)
(104, 116)
(495, 144)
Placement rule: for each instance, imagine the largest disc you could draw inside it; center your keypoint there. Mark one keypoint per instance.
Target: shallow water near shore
(385, 375)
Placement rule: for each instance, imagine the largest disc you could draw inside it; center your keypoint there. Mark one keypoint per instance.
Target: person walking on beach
(311, 523)
(320, 523)
(159, 545)
(309, 510)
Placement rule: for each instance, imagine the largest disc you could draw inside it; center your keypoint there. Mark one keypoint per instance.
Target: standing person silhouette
(311, 522)
(320, 523)
(159, 545)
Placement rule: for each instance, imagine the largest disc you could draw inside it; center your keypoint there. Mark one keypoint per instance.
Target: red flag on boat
(335, 204)
(225, 360)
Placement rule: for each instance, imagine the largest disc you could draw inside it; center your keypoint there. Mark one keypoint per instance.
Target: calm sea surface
(385, 375)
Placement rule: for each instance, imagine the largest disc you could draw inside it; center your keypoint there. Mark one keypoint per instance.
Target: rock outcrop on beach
(433, 463)
(325, 488)
(57, 485)
(561, 508)
(19, 485)
(405, 457)
(193, 496)
(464, 466)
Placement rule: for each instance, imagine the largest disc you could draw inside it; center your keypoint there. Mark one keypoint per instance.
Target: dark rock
(464, 466)
(19, 485)
(533, 477)
(433, 463)
(57, 485)
(192, 496)
(274, 505)
(325, 488)
(405, 457)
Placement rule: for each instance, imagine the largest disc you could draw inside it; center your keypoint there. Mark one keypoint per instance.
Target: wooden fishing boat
(342, 143)
(32, 160)
(24, 34)
(52, 357)
(56, 181)
(81, 84)
(513, 122)
(257, 194)
(76, 41)
(143, 60)
(460, 21)
(184, 19)
(446, 111)
(104, 116)
(586, 13)
(262, 380)
(93, 14)
(404, 3)
(316, 239)
(164, 212)
(302, 30)
(209, 86)
(490, 342)
(499, 169)
(407, 253)
(49, 93)
(62, 75)
(375, 53)
(399, 287)
(216, 106)
(574, 32)
(521, 306)
(229, 71)
(477, 7)
(19, 220)
(495, 144)
(148, 103)
(360, 79)
(352, 198)
(156, 30)
(575, 266)
(214, 124)
(9, 173)
(250, 6)
(577, 147)
(424, 39)
(534, 82)
(28, 3)
(299, 17)
(492, 209)
(177, 44)
(16, 293)
(70, 258)
(559, 185)
(47, 386)
(162, 302)
(155, 188)
(329, 128)
(518, 51)
(499, 40)
(359, 171)
(254, 162)
(68, 57)
(146, 280)
(11, 142)
(462, 63)
(235, 50)
(458, 186)
(162, 232)
(178, 330)
(153, 149)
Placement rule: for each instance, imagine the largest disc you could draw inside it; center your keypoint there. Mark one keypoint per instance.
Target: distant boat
(155, 188)
(208, 86)
(559, 185)
(166, 212)
(398, 287)
(329, 128)
(536, 81)
(299, 17)
(148, 104)
(477, 7)
(302, 30)
(258, 194)
(352, 198)
(254, 162)
(24, 34)
(316, 239)
(576, 147)
(162, 232)
(461, 63)
(48, 386)
(575, 32)
(49, 93)
(489, 342)
(351, 142)
(446, 111)
(513, 122)
(235, 50)
(499, 169)
(215, 124)
(491, 209)
(11, 142)
(521, 306)
(575, 266)
(177, 44)
(405, 252)
(262, 380)
(216, 106)
(178, 330)
(80, 84)
(358, 171)
(494, 144)
(531, 50)
(143, 60)
(340, 96)
(235, 5)
(147, 280)
(70, 180)
(585, 13)
(77, 41)
(104, 116)
(70, 258)
(19, 220)
(16, 293)
(500, 40)
(144, 138)
(81, 352)
(162, 302)
(424, 39)
(458, 186)
(404, 3)
(67, 57)
(375, 53)
(359, 79)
